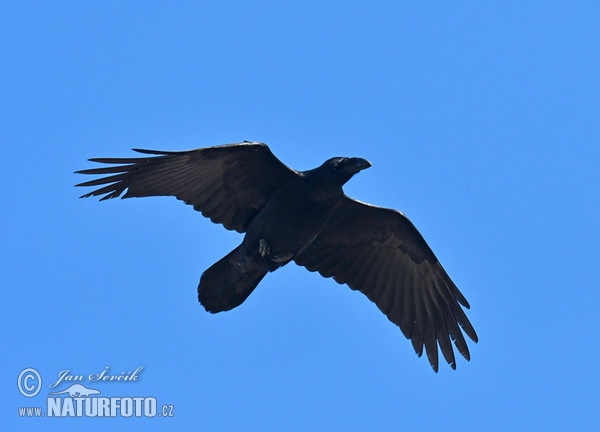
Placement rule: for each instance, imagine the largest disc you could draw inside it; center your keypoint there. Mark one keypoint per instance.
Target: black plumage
(305, 217)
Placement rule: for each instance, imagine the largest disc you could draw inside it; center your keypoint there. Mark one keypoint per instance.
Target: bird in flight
(305, 217)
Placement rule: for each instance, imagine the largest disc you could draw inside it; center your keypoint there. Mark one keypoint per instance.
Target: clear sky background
(481, 120)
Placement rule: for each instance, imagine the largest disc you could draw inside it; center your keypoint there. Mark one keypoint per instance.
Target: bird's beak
(355, 165)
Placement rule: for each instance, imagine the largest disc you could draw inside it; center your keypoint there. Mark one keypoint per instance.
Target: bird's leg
(264, 249)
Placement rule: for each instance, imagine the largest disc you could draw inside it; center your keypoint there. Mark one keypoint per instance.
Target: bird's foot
(264, 248)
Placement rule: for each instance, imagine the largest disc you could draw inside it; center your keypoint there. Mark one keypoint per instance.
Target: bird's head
(343, 168)
(329, 178)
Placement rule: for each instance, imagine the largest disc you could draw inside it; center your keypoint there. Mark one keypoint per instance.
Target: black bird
(305, 217)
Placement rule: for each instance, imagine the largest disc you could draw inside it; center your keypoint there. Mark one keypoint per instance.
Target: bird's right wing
(229, 184)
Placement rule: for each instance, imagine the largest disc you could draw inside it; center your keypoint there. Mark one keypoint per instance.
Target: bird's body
(287, 222)
(304, 217)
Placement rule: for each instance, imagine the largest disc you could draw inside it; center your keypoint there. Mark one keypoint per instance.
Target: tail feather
(226, 285)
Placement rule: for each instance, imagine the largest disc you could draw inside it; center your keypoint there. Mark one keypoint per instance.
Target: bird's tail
(226, 284)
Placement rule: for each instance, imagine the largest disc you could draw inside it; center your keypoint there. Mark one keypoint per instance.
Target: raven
(305, 217)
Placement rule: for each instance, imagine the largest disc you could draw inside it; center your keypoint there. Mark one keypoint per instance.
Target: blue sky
(481, 121)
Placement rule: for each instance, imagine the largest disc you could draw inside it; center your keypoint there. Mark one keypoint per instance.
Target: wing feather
(226, 183)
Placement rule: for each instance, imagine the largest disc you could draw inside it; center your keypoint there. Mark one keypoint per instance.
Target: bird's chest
(289, 222)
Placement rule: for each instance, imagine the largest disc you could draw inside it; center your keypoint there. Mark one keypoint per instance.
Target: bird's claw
(264, 248)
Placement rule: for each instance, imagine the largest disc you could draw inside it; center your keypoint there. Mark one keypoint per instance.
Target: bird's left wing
(379, 252)
(229, 183)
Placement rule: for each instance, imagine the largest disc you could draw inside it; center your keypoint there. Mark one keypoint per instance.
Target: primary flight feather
(305, 217)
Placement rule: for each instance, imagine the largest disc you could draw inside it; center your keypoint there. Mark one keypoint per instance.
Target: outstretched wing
(229, 184)
(379, 252)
